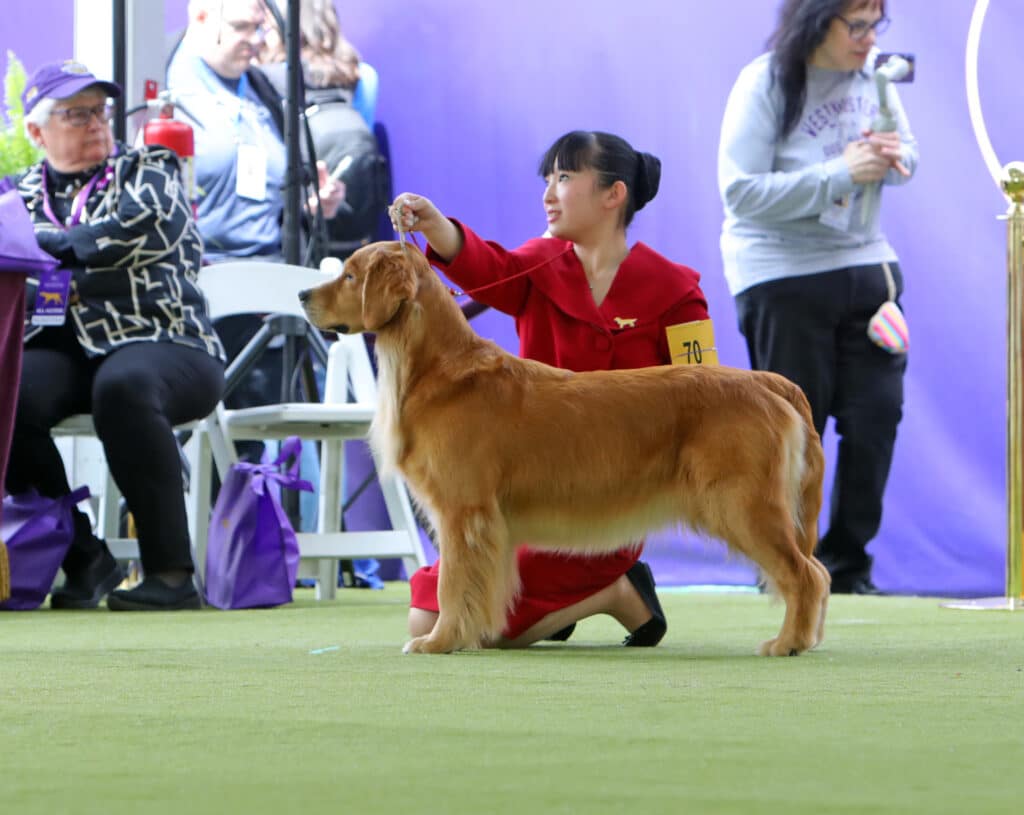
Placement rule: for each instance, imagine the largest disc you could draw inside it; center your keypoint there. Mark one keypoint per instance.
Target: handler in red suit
(583, 300)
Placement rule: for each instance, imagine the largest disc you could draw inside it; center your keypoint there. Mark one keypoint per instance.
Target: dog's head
(374, 283)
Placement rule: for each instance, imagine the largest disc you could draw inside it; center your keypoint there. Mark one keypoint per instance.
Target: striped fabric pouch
(888, 327)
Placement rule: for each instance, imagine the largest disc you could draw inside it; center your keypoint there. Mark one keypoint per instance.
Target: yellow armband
(692, 343)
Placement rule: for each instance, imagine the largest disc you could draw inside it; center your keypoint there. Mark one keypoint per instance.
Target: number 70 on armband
(692, 343)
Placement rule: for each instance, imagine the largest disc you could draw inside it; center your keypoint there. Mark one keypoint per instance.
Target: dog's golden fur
(501, 451)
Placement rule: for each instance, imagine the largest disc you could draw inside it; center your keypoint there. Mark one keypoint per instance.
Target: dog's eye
(350, 276)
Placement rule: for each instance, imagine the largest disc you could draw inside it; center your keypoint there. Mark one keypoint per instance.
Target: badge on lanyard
(52, 297)
(251, 172)
(54, 286)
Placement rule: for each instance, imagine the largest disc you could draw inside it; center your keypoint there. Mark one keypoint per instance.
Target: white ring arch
(988, 153)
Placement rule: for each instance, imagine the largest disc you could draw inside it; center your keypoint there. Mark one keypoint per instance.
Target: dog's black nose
(304, 295)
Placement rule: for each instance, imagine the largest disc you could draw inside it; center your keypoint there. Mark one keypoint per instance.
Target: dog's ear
(390, 280)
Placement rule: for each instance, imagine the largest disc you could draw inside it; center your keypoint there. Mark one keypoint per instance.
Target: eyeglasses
(246, 29)
(80, 117)
(859, 28)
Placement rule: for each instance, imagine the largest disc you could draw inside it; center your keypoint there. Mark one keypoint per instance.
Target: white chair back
(257, 287)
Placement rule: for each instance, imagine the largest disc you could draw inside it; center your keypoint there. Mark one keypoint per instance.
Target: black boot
(88, 578)
(152, 594)
(650, 633)
(562, 634)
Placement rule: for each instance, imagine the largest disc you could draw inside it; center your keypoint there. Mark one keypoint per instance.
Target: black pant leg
(813, 330)
(868, 408)
(140, 391)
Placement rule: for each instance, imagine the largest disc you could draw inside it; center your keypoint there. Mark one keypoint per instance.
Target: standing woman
(131, 342)
(803, 253)
(584, 300)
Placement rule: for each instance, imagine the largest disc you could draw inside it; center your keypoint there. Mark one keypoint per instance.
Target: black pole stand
(120, 70)
(293, 181)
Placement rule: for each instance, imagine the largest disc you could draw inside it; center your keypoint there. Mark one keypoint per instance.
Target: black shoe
(856, 584)
(650, 633)
(152, 594)
(86, 587)
(562, 634)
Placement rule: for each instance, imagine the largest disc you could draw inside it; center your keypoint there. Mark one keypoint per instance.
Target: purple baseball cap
(59, 80)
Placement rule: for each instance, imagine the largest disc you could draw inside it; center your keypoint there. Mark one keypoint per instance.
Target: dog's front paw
(414, 646)
(426, 645)
(780, 648)
(433, 643)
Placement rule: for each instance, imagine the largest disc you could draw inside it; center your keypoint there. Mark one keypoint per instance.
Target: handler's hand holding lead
(414, 212)
(411, 212)
(402, 217)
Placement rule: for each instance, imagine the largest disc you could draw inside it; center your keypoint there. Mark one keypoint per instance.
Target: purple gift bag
(38, 532)
(252, 555)
(20, 255)
(19, 250)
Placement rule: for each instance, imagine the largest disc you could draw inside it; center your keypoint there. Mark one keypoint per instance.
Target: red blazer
(556, 317)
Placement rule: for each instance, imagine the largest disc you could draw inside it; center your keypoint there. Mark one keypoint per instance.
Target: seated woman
(570, 294)
(132, 345)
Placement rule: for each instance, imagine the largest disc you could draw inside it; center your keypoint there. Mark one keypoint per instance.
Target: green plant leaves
(17, 153)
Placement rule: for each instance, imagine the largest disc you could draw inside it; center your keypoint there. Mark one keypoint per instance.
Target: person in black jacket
(119, 331)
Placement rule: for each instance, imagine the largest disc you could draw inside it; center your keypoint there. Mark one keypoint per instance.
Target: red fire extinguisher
(175, 134)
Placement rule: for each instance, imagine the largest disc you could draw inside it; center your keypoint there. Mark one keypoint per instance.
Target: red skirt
(549, 582)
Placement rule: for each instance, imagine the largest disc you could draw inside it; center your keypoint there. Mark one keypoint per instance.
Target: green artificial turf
(907, 707)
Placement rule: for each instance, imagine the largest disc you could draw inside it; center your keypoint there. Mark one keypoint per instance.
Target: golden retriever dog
(501, 451)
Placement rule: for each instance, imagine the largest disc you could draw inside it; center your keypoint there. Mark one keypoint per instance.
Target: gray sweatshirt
(791, 207)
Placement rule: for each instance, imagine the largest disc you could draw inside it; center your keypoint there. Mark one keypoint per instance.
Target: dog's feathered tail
(806, 467)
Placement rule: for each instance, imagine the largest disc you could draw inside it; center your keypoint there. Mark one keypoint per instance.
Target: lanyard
(218, 86)
(243, 87)
(96, 183)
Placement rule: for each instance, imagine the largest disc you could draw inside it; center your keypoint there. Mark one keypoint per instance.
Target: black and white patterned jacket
(134, 256)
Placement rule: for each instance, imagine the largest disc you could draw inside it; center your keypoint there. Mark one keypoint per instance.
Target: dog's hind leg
(809, 508)
(824, 598)
(766, 534)
(805, 592)
(477, 581)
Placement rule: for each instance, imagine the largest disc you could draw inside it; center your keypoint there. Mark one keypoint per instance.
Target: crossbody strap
(889, 282)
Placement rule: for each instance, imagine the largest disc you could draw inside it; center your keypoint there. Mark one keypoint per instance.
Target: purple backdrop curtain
(472, 93)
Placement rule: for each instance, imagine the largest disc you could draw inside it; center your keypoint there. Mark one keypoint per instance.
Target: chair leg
(332, 464)
(326, 579)
(198, 500)
(396, 499)
(110, 510)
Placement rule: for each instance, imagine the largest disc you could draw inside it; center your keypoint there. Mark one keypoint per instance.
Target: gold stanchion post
(5, 574)
(1012, 184)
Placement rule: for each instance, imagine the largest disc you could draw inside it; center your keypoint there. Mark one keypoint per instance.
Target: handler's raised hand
(415, 213)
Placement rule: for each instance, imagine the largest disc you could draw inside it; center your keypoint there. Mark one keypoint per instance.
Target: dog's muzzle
(304, 296)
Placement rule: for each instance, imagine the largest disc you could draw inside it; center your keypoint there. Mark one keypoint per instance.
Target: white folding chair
(350, 400)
